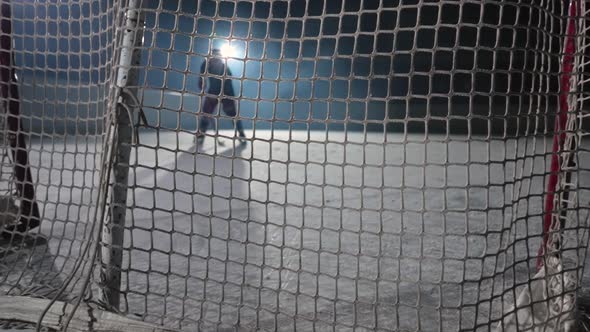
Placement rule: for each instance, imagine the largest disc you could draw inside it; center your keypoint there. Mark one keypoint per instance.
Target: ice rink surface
(302, 230)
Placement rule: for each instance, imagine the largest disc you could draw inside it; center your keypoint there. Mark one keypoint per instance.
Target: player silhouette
(218, 86)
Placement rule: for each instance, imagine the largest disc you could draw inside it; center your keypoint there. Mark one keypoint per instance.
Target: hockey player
(217, 87)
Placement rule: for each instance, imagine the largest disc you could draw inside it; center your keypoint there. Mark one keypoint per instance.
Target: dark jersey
(217, 67)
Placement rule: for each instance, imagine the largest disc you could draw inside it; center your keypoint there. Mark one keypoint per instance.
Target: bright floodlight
(228, 51)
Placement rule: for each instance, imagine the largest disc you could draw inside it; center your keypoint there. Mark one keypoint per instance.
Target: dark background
(446, 66)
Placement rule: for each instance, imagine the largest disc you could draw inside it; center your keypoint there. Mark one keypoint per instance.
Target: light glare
(228, 51)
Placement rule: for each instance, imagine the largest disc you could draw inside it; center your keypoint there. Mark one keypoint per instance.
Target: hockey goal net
(407, 165)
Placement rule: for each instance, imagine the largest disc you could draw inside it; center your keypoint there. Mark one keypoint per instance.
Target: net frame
(552, 284)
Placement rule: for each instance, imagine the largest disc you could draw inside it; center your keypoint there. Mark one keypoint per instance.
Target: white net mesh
(61, 59)
(394, 173)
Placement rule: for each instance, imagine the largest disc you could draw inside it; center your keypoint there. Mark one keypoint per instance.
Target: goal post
(125, 110)
(323, 165)
(553, 283)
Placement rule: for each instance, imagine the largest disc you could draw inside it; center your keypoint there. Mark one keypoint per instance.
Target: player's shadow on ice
(233, 150)
(229, 149)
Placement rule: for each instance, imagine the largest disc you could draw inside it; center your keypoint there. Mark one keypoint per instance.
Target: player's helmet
(216, 52)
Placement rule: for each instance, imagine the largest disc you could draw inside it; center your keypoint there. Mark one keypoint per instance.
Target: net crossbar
(366, 165)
